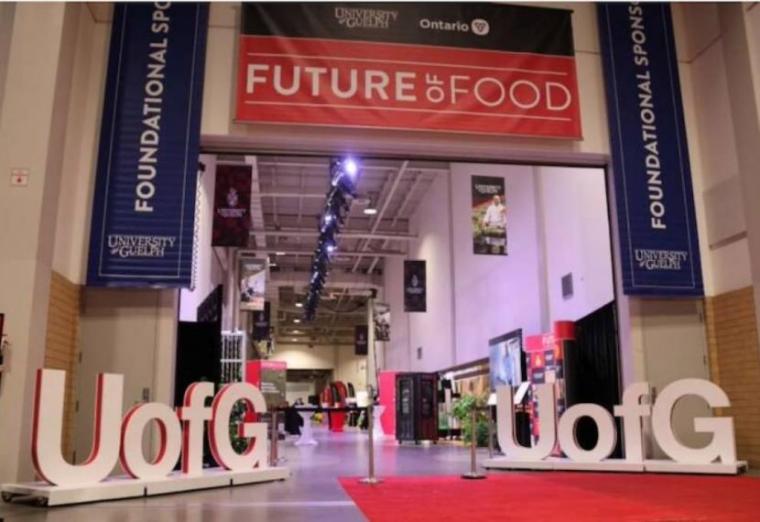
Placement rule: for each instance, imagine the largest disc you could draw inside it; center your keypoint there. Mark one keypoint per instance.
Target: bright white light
(299, 305)
(296, 321)
(370, 211)
(279, 253)
(331, 249)
(328, 218)
(350, 167)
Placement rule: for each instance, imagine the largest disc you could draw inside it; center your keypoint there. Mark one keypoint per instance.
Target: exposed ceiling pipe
(305, 252)
(346, 234)
(383, 208)
(257, 212)
(407, 199)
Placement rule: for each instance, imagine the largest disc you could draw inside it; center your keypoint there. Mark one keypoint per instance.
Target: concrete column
(739, 52)
(32, 124)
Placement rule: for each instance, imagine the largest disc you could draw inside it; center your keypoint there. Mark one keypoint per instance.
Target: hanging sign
(144, 206)
(489, 216)
(232, 205)
(462, 67)
(253, 284)
(655, 204)
(361, 336)
(381, 316)
(262, 323)
(415, 286)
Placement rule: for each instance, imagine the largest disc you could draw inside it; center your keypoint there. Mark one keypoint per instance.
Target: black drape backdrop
(592, 366)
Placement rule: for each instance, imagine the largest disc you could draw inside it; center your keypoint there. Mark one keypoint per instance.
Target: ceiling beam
(383, 208)
(345, 234)
(340, 253)
(338, 280)
(402, 207)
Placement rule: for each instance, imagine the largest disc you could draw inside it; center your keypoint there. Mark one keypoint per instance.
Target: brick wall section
(735, 364)
(61, 345)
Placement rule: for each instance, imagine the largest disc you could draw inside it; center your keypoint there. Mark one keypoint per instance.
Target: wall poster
(471, 67)
(232, 205)
(143, 214)
(659, 243)
(382, 318)
(253, 284)
(489, 216)
(507, 360)
(415, 286)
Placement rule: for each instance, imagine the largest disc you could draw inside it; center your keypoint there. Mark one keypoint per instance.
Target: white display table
(307, 433)
(377, 427)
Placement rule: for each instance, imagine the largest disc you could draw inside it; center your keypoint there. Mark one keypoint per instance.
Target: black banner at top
(475, 25)
(415, 286)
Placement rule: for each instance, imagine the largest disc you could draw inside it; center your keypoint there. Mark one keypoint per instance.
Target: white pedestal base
(619, 465)
(377, 427)
(307, 431)
(123, 487)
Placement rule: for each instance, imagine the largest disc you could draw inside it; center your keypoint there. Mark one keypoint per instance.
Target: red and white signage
(401, 86)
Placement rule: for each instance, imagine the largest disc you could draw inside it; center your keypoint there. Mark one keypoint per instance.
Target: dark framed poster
(471, 67)
(253, 284)
(659, 243)
(232, 205)
(415, 286)
(261, 323)
(143, 214)
(506, 360)
(361, 339)
(489, 216)
(381, 316)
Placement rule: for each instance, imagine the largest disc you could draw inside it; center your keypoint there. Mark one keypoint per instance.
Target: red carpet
(559, 496)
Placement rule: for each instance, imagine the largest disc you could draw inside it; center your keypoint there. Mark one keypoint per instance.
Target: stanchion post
(273, 459)
(473, 473)
(490, 434)
(371, 478)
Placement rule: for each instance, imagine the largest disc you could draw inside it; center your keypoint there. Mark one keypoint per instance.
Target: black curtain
(593, 370)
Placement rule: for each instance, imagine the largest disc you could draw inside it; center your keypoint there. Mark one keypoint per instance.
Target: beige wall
(735, 364)
(341, 359)
(62, 346)
(38, 79)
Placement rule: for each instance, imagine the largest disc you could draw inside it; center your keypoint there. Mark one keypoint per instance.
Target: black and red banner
(232, 205)
(463, 67)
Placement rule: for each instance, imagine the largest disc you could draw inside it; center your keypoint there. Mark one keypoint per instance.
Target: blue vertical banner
(655, 205)
(144, 206)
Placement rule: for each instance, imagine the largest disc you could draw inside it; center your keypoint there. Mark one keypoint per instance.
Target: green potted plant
(462, 410)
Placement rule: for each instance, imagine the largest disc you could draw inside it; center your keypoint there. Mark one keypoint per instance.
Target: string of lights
(342, 191)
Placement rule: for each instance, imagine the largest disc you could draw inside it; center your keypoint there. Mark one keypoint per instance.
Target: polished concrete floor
(311, 494)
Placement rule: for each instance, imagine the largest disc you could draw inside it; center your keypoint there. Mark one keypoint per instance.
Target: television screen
(506, 361)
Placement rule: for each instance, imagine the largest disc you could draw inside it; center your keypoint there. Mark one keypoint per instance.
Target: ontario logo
(125, 246)
(478, 26)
